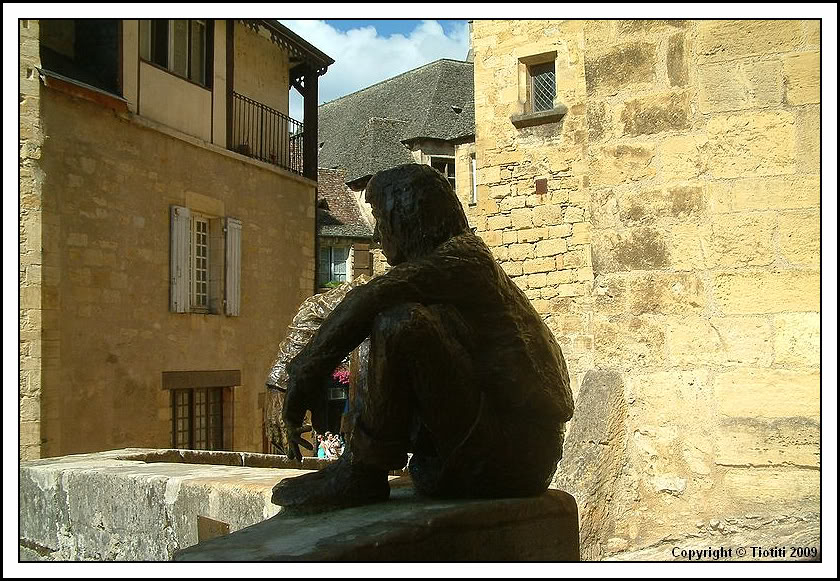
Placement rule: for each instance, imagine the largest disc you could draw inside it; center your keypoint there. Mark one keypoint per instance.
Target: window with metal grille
(446, 166)
(179, 46)
(542, 87)
(199, 260)
(197, 419)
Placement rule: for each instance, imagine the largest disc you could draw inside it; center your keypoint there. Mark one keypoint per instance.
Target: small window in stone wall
(537, 84)
(542, 87)
(197, 418)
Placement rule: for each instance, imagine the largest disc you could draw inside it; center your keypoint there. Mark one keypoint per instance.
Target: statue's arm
(434, 279)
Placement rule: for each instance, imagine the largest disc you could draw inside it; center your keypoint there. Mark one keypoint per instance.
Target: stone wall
(107, 334)
(261, 67)
(675, 255)
(68, 510)
(30, 214)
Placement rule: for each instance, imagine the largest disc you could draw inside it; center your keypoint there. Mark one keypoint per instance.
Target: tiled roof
(342, 216)
(378, 147)
(364, 131)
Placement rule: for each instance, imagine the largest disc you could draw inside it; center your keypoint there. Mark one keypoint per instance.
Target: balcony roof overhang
(302, 54)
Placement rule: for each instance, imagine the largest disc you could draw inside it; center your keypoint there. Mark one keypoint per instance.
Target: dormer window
(180, 46)
(446, 166)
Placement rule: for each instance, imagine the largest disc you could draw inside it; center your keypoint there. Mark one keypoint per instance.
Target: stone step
(409, 528)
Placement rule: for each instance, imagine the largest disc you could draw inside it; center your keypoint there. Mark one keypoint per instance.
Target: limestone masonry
(675, 254)
(667, 228)
(96, 329)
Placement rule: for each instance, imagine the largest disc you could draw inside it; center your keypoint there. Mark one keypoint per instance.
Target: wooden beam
(83, 91)
(190, 379)
(310, 124)
(229, 47)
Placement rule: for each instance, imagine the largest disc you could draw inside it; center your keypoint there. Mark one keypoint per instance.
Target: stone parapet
(410, 529)
(141, 504)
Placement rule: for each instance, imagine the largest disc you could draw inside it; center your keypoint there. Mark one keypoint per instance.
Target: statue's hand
(293, 433)
(295, 405)
(304, 393)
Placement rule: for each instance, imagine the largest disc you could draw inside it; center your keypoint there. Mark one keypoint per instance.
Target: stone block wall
(68, 510)
(95, 215)
(31, 266)
(675, 255)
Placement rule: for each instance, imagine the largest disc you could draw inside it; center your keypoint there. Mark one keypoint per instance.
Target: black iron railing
(266, 134)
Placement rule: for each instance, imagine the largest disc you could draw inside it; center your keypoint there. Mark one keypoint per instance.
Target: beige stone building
(654, 187)
(345, 231)
(167, 224)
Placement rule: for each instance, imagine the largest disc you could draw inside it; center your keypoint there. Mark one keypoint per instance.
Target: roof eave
(313, 53)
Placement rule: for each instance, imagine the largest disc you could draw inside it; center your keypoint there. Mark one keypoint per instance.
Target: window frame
(223, 266)
(449, 161)
(532, 92)
(348, 264)
(527, 117)
(209, 442)
(153, 59)
(196, 306)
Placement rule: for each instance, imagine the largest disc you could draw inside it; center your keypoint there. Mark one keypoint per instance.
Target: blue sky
(387, 27)
(369, 51)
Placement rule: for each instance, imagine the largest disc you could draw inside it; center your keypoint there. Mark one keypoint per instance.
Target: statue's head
(416, 210)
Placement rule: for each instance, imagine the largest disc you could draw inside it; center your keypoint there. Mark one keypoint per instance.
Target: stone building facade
(345, 230)
(665, 221)
(120, 345)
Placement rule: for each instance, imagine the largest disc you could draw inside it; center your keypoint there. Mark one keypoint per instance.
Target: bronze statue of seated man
(462, 372)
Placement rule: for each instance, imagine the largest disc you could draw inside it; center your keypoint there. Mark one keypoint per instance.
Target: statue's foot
(342, 484)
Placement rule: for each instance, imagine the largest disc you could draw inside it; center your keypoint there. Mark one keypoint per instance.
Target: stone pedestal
(409, 528)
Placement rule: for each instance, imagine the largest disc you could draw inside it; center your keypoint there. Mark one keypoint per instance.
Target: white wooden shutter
(233, 265)
(179, 259)
(341, 255)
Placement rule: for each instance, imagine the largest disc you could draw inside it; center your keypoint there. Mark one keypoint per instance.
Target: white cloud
(363, 57)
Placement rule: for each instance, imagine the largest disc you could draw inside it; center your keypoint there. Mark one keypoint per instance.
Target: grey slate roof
(342, 217)
(363, 131)
(378, 147)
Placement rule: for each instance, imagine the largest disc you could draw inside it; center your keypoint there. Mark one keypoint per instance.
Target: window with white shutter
(334, 265)
(205, 263)
(233, 267)
(179, 259)
(339, 258)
